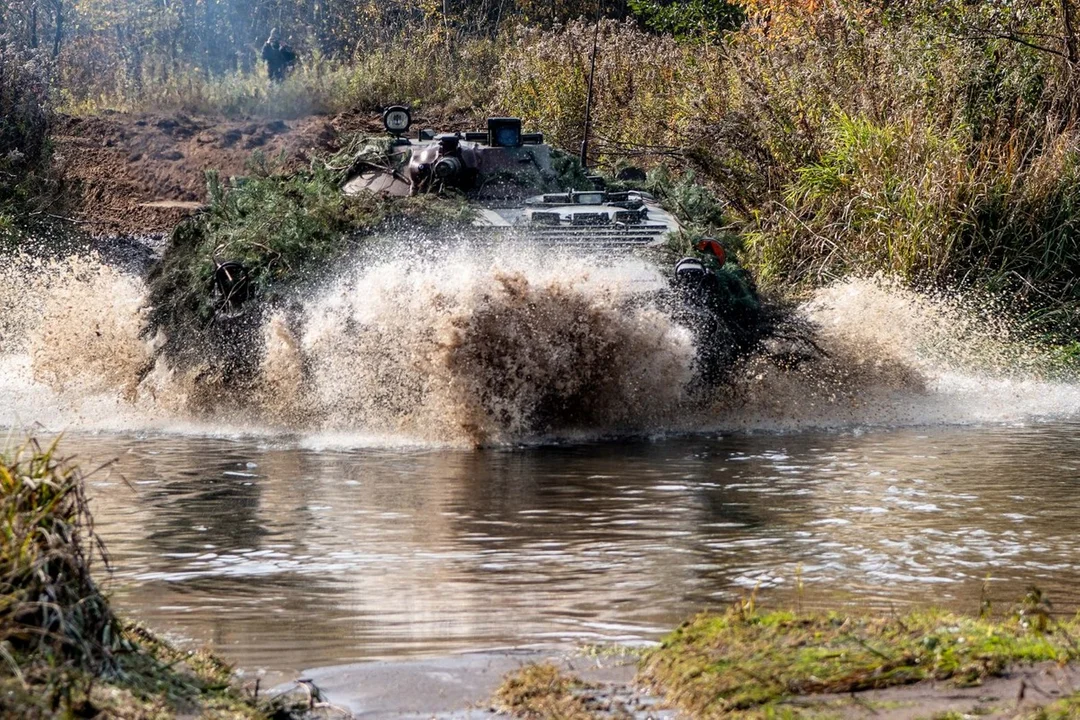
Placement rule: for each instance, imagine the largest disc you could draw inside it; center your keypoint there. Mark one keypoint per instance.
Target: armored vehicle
(525, 190)
(521, 186)
(263, 242)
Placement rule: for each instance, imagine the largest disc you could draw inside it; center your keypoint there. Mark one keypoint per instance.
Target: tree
(688, 19)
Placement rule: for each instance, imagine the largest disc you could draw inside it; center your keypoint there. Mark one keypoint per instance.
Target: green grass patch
(746, 660)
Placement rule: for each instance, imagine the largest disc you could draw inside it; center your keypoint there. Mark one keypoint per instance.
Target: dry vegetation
(542, 690)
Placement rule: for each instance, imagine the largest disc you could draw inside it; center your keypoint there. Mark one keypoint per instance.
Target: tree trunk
(58, 36)
(1070, 31)
(33, 26)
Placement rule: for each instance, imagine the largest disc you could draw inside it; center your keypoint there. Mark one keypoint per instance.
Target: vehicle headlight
(397, 119)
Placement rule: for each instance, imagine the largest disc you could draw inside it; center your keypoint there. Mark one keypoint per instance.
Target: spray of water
(478, 348)
(481, 350)
(892, 356)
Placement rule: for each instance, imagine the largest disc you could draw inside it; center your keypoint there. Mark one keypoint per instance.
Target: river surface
(284, 556)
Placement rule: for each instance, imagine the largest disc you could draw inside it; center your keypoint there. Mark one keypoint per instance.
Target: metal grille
(598, 237)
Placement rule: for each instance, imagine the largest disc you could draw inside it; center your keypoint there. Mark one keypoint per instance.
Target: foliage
(744, 659)
(25, 116)
(876, 163)
(285, 229)
(693, 20)
(111, 50)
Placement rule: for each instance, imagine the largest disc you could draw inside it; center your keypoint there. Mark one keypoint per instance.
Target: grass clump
(50, 607)
(747, 660)
(541, 691)
(63, 651)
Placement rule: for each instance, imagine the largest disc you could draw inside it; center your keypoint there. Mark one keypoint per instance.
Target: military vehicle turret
(520, 185)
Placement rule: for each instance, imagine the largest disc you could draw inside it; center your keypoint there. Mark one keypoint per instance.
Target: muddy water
(285, 556)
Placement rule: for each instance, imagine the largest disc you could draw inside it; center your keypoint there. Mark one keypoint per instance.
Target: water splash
(505, 347)
(892, 356)
(485, 350)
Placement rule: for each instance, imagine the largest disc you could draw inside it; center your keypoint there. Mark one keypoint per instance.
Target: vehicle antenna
(588, 97)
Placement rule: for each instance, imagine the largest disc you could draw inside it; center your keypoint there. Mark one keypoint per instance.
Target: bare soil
(140, 174)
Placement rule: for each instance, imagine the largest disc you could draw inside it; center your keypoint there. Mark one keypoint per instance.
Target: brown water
(286, 557)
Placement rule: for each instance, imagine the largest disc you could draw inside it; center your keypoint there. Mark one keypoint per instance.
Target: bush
(25, 118)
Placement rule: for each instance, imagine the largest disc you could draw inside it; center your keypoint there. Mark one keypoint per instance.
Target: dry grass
(49, 604)
(420, 73)
(541, 691)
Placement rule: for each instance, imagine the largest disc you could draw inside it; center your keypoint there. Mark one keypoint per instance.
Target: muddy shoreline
(462, 687)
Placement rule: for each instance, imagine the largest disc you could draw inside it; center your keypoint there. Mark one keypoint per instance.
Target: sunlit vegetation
(749, 660)
(935, 141)
(63, 651)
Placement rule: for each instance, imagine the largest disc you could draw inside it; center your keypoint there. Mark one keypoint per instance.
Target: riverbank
(64, 651)
(745, 663)
(750, 663)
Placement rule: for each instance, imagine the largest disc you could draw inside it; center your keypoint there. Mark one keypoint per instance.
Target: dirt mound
(141, 174)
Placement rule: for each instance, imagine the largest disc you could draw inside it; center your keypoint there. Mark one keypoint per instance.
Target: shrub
(24, 119)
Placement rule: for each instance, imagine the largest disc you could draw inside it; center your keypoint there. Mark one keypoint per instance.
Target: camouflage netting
(285, 230)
